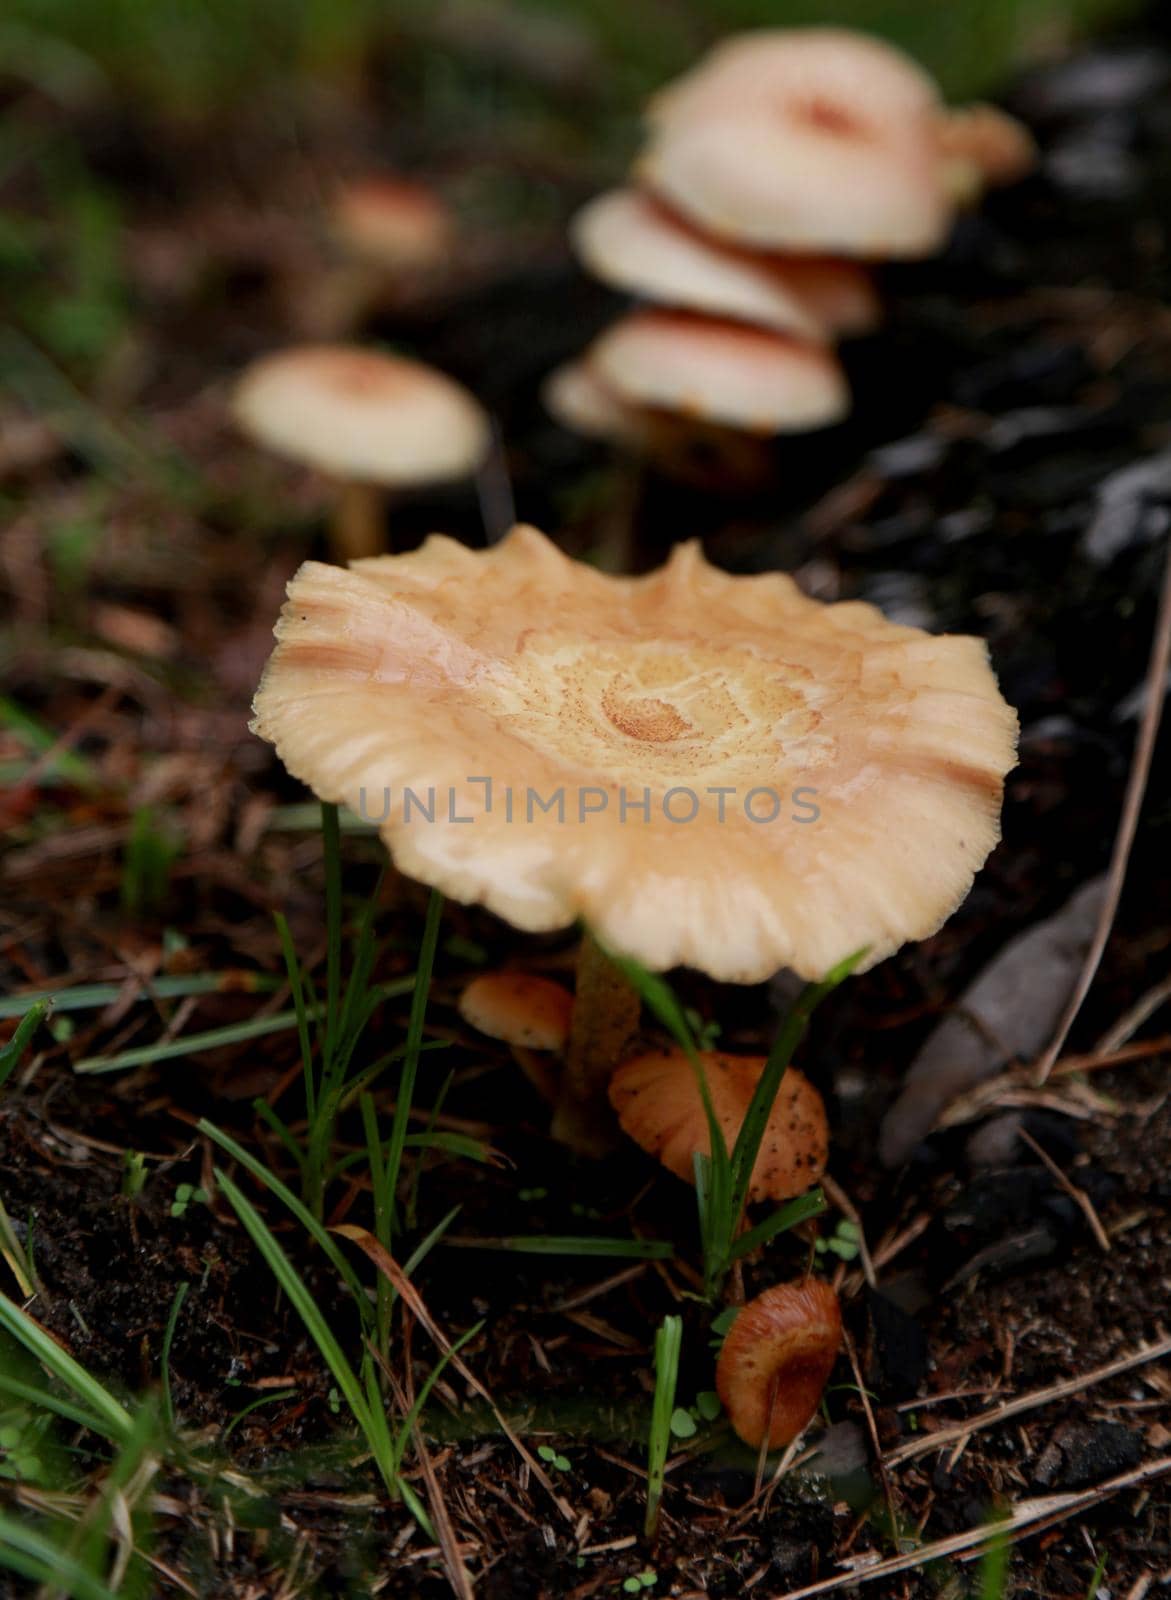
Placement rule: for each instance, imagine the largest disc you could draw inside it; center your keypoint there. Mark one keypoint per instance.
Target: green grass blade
(788, 1216)
(310, 1313)
(300, 1009)
(284, 1133)
(406, 1087)
(116, 1422)
(333, 927)
(550, 1244)
(668, 1344)
(168, 1340)
(25, 1551)
(407, 1425)
(13, 1052)
(789, 1036)
(214, 1038)
(425, 1246)
(300, 1211)
(50, 1402)
(93, 996)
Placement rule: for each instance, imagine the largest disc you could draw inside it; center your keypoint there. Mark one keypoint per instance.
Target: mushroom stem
(605, 1017)
(358, 528)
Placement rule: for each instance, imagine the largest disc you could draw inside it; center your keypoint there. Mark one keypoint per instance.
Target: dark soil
(981, 485)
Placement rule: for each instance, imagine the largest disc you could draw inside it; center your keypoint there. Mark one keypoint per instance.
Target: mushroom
(372, 422)
(394, 225)
(983, 147)
(530, 1013)
(707, 770)
(520, 1008)
(396, 240)
(577, 398)
(824, 66)
(776, 1361)
(722, 372)
(804, 140)
(659, 1105)
(683, 446)
(630, 240)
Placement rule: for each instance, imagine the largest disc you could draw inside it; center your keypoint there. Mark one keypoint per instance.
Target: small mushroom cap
(659, 1105)
(521, 1008)
(983, 147)
(631, 241)
(723, 372)
(393, 223)
(444, 665)
(361, 415)
(577, 398)
(806, 140)
(776, 1361)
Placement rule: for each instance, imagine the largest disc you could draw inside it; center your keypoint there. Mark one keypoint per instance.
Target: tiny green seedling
(639, 1582)
(549, 1455)
(187, 1195)
(706, 1034)
(134, 1175)
(722, 1326)
(707, 1403)
(682, 1423)
(844, 1242)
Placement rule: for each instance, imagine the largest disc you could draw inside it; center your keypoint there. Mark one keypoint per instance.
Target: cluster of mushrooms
(564, 746)
(775, 173)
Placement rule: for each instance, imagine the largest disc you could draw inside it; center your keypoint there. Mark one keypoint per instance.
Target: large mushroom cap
(393, 223)
(446, 666)
(629, 240)
(720, 372)
(361, 415)
(776, 1361)
(658, 1103)
(804, 140)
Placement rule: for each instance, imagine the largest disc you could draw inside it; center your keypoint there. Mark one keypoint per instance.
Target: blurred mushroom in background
(372, 422)
(395, 242)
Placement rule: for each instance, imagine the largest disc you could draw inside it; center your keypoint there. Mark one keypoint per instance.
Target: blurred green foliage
(194, 57)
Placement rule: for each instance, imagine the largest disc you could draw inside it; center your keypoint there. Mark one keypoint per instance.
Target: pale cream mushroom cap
(363, 416)
(444, 666)
(983, 147)
(718, 371)
(628, 239)
(805, 140)
(576, 398)
(394, 223)
(522, 1008)
(659, 1106)
(746, 71)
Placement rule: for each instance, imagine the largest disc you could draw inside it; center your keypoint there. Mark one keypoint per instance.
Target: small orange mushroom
(658, 1103)
(776, 1361)
(524, 1010)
